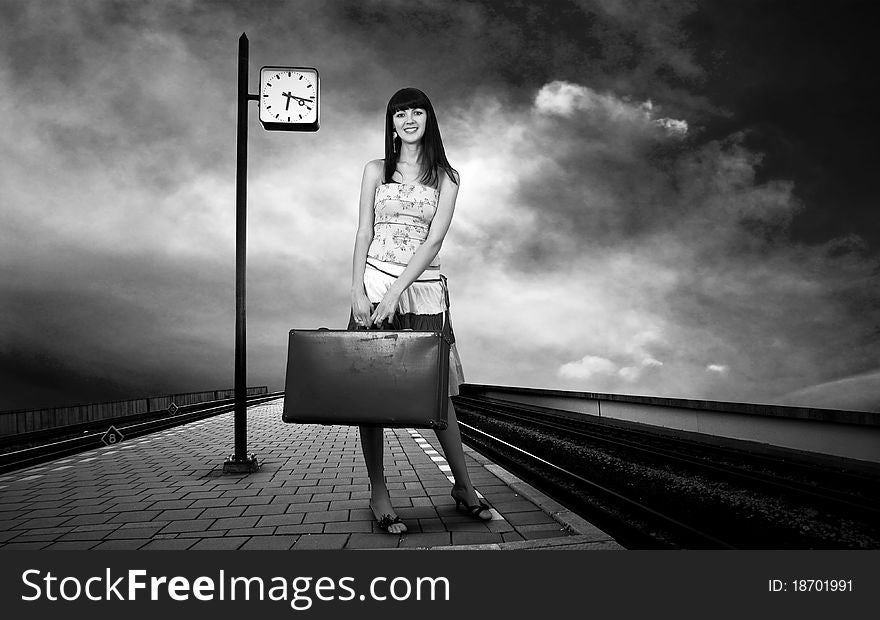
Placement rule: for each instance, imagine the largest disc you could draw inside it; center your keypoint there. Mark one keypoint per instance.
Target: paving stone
(84, 535)
(417, 512)
(88, 519)
(205, 534)
(251, 500)
(432, 525)
(225, 511)
(188, 525)
(283, 519)
(281, 543)
(252, 531)
(108, 545)
(24, 546)
(48, 512)
(305, 528)
(499, 525)
(234, 522)
(170, 505)
(219, 544)
(319, 507)
(133, 532)
(518, 505)
(321, 541)
(326, 516)
(180, 514)
(330, 497)
(212, 503)
(425, 539)
(476, 538)
(72, 545)
(528, 518)
(466, 526)
(348, 526)
(511, 536)
(266, 509)
(372, 541)
(169, 544)
(42, 522)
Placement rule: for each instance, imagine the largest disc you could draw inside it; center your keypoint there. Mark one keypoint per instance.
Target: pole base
(248, 465)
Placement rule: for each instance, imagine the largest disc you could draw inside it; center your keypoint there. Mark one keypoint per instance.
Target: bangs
(407, 98)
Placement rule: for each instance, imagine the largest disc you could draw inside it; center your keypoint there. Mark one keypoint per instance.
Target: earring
(394, 142)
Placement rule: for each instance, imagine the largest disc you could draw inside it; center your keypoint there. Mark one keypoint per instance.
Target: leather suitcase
(381, 378)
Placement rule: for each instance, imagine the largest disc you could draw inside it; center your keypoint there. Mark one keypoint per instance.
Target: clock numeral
(265, 95)
(288, 119)
(300, 117)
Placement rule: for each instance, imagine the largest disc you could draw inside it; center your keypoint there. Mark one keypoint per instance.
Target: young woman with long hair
(406, 204)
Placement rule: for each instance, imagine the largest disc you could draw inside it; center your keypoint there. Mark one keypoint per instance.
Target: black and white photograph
(596, 276)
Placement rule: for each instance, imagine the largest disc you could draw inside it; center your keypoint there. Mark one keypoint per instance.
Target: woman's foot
(386, 519)
(466, 500)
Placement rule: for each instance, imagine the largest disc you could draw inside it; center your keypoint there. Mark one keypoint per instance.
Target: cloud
(586, 367)
(565, 99)
(645, 248)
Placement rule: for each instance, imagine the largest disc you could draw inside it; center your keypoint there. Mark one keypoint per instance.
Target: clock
(289, 98)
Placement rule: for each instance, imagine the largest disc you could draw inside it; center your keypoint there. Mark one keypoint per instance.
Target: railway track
(30, 449)
(656, 491)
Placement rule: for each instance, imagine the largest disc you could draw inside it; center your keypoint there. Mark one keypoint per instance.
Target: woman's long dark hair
(433, 154)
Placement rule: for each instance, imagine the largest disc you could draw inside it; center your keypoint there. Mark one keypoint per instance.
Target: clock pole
(241, 462)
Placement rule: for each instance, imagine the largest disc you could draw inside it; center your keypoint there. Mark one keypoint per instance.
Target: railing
(30, 420)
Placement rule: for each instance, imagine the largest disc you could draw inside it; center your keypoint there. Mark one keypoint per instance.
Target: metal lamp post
(302, 87)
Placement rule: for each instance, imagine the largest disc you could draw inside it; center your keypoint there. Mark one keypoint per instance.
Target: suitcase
(379, 378)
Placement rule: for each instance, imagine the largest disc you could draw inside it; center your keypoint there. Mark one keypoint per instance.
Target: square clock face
(289, 98)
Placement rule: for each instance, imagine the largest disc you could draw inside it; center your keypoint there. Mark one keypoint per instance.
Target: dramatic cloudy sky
(658, 197)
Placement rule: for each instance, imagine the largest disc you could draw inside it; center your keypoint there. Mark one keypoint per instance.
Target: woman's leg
(372, 444)
(450, 440)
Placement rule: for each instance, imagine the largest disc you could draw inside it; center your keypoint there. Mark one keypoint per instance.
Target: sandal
(386, 521)
(476, 510)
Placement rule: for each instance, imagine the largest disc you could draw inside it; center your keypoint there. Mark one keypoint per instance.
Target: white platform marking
(442, 466)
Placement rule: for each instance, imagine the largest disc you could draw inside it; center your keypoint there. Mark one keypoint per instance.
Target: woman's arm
(360, 304)
(426, 252)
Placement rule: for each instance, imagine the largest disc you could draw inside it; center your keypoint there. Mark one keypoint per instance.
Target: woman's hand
(360, 307)
(386, 308)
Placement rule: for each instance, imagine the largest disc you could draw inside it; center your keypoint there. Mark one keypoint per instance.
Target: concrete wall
(846, 434)
(24, 421)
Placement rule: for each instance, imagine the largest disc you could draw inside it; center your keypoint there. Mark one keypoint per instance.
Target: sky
(658, 197)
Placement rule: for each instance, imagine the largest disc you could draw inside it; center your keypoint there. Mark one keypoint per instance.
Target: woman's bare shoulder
(449, 177)
(374, 167)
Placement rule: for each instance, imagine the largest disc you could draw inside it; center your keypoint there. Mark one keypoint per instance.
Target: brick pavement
(168, 491)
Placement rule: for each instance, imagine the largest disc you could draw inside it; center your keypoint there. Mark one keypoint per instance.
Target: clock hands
(300, 100)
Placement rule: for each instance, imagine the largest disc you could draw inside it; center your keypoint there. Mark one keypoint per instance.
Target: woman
(406, 205)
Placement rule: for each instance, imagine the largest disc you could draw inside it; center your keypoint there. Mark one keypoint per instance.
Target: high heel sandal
(475, 510)
(386, 521)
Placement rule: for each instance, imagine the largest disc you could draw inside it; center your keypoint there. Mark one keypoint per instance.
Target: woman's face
(410, 124)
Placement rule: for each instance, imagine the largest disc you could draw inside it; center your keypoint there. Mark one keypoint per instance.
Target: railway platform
(168, 490)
